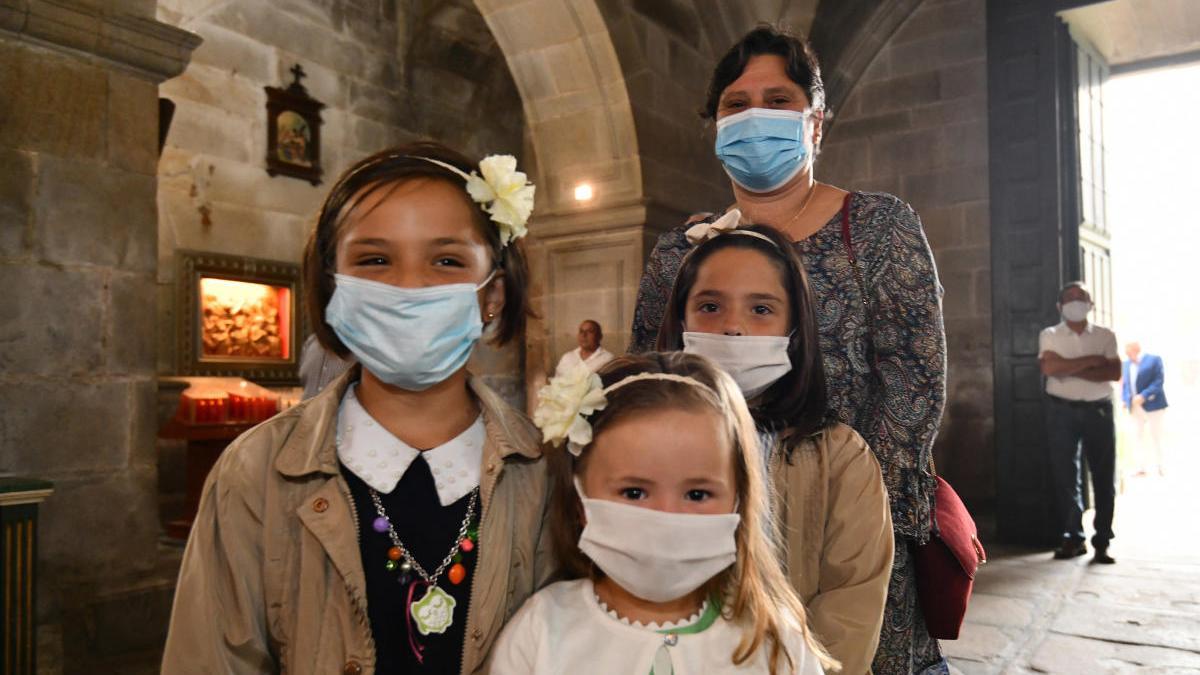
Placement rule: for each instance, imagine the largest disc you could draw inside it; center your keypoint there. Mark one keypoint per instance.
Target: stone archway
(609, 92)
(576, 102)
(849, 35)
(585, 256)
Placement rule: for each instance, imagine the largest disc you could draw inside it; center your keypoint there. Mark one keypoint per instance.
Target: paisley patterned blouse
(886, 372)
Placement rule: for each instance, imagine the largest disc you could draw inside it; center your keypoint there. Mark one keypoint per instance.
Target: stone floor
(1032, 614)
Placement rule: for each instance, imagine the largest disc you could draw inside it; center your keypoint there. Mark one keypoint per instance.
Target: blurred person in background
(589, 352)
(1146, 402)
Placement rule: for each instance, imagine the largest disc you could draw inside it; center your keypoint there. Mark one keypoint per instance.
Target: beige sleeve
(856, 560)
(218, 622)
(545, 561)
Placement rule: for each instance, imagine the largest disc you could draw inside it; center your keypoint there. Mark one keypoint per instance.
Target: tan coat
(837, 529)
(272, 580)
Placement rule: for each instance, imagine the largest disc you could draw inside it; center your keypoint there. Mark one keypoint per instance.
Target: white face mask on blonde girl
(668, 521)
(676, 461)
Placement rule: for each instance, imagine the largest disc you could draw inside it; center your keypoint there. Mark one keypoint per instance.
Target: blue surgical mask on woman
(762, 148)
(412, 338)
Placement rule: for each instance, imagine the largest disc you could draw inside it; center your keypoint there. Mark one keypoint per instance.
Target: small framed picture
(294, 131)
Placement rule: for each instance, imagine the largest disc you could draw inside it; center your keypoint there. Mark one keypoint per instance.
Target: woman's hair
(794, 406)
(754, 590)
(798, 56)
(386, 170)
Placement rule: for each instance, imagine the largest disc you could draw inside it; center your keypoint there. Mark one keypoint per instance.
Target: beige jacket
(272, 580)
(837, 529)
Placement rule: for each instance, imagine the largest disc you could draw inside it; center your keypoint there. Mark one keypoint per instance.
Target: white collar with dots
(380, 459)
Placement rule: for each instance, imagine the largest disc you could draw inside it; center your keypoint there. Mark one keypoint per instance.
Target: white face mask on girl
(755, 362)
(656, 555)
(1076, 310)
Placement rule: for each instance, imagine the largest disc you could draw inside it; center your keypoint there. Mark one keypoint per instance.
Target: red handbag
(947, 563)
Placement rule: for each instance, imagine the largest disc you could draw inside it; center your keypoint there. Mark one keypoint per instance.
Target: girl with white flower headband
(742, 299)
(660, 519)
(393, 522)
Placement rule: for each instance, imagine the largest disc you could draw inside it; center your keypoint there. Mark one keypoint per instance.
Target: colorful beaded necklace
(434, 612)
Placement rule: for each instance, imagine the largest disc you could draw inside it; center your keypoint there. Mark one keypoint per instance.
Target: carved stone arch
(848, 35)
(577, 109)
(451, 67)
(586, 256)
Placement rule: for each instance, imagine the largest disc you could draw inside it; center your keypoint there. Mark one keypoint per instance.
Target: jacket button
(478, 634)
(491, 469)
(516, 564)
(320, 504)
(352, 668)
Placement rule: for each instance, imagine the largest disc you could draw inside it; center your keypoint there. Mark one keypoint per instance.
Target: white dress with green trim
(564, 628)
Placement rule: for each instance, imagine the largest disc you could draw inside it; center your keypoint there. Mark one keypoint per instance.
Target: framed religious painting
(239, 317)
(294, 131)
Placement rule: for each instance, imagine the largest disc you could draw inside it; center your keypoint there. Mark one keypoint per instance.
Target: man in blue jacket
(1142, 393)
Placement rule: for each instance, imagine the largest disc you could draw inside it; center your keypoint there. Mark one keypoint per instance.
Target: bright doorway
(1153, 168)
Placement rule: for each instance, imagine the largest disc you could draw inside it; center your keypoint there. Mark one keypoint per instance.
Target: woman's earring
(490, 316)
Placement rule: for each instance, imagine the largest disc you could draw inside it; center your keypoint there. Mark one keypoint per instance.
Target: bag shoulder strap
(848, 242)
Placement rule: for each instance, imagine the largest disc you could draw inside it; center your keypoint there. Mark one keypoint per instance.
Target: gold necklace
(803, 207)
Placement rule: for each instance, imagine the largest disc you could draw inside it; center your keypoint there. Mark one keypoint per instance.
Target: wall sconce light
(583, 192)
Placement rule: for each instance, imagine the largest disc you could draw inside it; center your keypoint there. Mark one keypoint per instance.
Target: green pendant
(434, 612)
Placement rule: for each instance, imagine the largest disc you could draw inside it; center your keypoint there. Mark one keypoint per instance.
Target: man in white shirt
(589, 352)
(1080, 362)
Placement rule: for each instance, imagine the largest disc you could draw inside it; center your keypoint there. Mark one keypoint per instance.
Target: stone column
(78, 239)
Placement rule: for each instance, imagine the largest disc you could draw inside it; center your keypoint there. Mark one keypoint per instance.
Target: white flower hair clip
(564, 403)
(726, 224)
(504, 193)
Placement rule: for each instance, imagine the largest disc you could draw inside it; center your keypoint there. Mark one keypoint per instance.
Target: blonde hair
(754, 591)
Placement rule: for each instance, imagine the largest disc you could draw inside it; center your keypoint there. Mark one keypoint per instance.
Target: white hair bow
(701, 232)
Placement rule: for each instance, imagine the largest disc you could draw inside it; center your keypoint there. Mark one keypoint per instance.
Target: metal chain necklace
(803, 207)
(799, 212)
(434, 612)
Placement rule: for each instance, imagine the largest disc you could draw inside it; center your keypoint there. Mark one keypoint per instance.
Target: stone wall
(665, 55)
(915, 125)
(77, 255)
(388, 71)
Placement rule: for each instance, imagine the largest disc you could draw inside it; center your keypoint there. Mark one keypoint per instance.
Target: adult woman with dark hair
(877, 296)
(742, 299)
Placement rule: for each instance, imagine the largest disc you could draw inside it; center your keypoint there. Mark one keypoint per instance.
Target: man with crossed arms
(1080, 362)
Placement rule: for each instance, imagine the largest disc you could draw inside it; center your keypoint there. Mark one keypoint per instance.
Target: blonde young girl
(393, 522)
(741, 298)
(661, 521)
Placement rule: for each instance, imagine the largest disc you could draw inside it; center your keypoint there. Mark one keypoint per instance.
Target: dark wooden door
(1035, 234)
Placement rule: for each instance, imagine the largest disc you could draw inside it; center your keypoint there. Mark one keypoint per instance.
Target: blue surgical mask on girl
(412, 338)
(762, 148)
